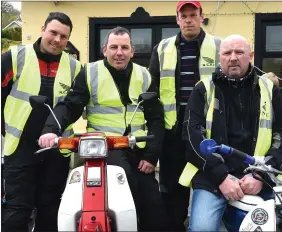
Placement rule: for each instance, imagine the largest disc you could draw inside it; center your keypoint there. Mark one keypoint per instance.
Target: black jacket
(48, 65)
(235, 123)
(72, 108)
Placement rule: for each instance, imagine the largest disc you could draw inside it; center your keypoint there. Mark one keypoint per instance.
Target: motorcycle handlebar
(144, 138)
(241, 155)
(113, 142)
(56, 140)
(209, 146)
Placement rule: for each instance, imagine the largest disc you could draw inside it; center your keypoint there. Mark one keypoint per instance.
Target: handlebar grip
(144, 138)
(241, 155)
(56, 140)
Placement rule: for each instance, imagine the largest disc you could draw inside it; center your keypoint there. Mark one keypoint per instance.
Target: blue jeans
(207, 210)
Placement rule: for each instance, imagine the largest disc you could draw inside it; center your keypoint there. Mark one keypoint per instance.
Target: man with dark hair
(62, 18)
(117, 31)
(177, 63)
(109, 89)
(34, 181)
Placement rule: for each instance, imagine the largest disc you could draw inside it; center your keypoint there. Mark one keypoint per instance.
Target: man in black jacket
(118, 81)
(30, 180)
(196, 55)
(242, 104)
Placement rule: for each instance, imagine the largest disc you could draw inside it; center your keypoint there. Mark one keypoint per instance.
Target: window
(142, 40)
(103, 35)
(169, 32)
(268, 43)
(273, 38)
(146, 33)
(272, 65)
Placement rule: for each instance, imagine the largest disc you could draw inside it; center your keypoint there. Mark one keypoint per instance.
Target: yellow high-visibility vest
(27, 82)
(105, 111)
(264, 137)
(167, 53)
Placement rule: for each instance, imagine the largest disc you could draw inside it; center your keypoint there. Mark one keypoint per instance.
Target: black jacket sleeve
(6, 83)
(69, 110)
(276, 148)
(154, 67)
(194, 125)
(154, 115)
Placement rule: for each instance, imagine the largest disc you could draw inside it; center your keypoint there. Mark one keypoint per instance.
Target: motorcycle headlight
(91, 147)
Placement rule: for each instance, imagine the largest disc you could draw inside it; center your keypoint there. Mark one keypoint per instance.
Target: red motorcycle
(97, 196)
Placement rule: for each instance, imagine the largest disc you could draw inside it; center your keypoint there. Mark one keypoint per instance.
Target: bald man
(242, 104)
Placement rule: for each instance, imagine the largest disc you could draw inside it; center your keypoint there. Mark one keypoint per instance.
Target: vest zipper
(48, 69)
(241, 108)
(225, 115)
(121, 102)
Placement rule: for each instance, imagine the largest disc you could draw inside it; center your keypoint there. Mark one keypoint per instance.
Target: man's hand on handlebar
(230, 188)
(250, 185)
(47, 140)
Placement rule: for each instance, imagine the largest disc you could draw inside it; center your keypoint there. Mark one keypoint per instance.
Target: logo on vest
(209, 62)
(264, 113)
(66, 88)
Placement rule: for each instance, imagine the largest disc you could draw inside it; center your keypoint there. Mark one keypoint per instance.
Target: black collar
(126, 73)
(251, 76)
(200, 38)
(43, 56)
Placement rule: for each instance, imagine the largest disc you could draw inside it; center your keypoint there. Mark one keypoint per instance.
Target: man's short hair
(118, 31)
(61, 17)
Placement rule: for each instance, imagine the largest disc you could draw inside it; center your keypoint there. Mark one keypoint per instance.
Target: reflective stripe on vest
(209, 101)
(17, 108)
(167, 53)
(264, 137)
(105, 111)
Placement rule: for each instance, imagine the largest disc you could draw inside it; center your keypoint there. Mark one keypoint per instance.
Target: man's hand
(272, 77)
(250, 185)
(231, 189)
(145, 166)
(47, 140)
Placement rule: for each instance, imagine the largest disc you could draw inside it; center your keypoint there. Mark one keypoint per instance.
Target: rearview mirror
(147, 96)
(142, 97)
(38, 101)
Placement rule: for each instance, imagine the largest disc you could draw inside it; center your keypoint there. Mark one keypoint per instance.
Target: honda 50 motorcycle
(97, 196)
(251, 213)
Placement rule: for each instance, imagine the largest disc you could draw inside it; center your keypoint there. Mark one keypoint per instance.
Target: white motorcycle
(251, 213)
(97, 196)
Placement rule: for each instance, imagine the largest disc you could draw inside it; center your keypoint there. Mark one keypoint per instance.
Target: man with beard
(234, 106)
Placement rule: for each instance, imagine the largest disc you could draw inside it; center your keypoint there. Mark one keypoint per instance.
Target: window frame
(262, 20)
(156, 23)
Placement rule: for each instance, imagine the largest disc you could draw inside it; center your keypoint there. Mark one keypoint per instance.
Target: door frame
(138, 18)
(261, 21)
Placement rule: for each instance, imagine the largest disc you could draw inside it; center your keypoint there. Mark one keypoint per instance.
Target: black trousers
(33, 181)
(145, 191)
(175, 196)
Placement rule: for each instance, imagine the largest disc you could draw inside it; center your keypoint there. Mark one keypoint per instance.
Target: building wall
(225, 18)
(231, 17)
